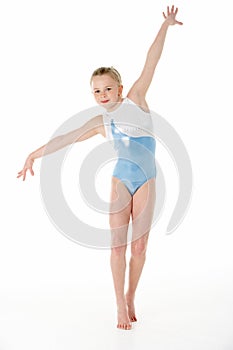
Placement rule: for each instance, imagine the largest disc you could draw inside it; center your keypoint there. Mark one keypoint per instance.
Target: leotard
(131, 130)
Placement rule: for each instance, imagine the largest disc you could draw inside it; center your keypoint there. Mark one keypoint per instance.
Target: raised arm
(139, 89)
(89, 129)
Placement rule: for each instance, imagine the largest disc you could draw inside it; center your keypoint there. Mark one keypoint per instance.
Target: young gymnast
(133, 180)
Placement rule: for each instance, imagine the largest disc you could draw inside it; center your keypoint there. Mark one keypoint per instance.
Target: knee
(118, 252)
(138, 248)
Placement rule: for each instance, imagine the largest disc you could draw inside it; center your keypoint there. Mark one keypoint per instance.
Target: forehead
(102, 80)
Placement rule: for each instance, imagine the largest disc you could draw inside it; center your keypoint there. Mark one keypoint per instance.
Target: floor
(176, 313)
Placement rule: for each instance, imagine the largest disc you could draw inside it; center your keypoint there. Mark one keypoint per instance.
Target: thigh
(120, 212)
(143, 204)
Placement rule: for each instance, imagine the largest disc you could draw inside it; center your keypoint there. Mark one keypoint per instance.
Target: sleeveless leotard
(131, 130)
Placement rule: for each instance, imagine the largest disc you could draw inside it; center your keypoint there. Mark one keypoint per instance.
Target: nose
(102, 94)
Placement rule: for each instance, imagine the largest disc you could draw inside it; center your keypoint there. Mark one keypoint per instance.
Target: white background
(56, 294)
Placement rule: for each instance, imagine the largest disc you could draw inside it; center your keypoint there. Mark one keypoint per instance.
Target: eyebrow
(106, 86)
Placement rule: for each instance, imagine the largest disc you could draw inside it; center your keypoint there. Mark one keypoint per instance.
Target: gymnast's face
(106, 91)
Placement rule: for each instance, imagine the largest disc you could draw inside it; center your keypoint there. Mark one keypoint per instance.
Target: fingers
(31, 171)
(21, 173)
(180, 23)
(171, 12)
(24, 172)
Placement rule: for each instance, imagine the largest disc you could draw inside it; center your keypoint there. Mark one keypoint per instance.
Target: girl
(133, 180)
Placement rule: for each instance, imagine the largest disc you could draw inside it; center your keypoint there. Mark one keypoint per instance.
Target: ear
(120, 89)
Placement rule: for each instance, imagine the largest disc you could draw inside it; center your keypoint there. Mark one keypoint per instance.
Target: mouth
(105, 101)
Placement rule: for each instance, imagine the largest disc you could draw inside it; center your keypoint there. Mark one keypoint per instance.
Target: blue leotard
(131, 130)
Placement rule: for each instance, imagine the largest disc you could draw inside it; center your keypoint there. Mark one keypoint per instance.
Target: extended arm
(89, 129)
(138, 91)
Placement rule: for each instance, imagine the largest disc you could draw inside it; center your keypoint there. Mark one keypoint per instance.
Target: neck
(115, 105)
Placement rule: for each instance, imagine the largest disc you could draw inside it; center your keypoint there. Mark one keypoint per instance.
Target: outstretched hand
(171, 16)
(27, 166)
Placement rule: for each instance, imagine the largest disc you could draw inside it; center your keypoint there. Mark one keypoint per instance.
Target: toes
(124, 326)
(133, 319)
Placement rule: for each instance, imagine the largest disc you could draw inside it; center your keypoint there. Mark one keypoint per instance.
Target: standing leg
(142, 215)
(120, 211)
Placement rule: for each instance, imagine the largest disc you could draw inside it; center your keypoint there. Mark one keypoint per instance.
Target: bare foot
(123, 318)
(131, 308)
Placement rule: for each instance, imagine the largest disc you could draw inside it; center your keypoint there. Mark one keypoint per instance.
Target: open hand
(27, 166)
(171, 16)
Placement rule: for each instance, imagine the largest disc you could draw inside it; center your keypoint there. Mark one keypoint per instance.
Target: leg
(120, 211)
(142, 215)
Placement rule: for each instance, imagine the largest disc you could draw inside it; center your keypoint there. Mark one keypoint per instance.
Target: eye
(109, 89)
(96, 91)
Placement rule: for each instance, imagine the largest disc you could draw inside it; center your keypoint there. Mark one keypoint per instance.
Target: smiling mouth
(104, 101)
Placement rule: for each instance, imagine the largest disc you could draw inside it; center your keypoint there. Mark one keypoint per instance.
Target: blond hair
(107, 70)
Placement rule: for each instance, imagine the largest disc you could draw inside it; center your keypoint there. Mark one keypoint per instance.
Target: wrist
(166, 24)
(31, 157)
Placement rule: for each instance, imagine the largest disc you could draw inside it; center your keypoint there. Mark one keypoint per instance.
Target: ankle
(121, 303)
(130, 296)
